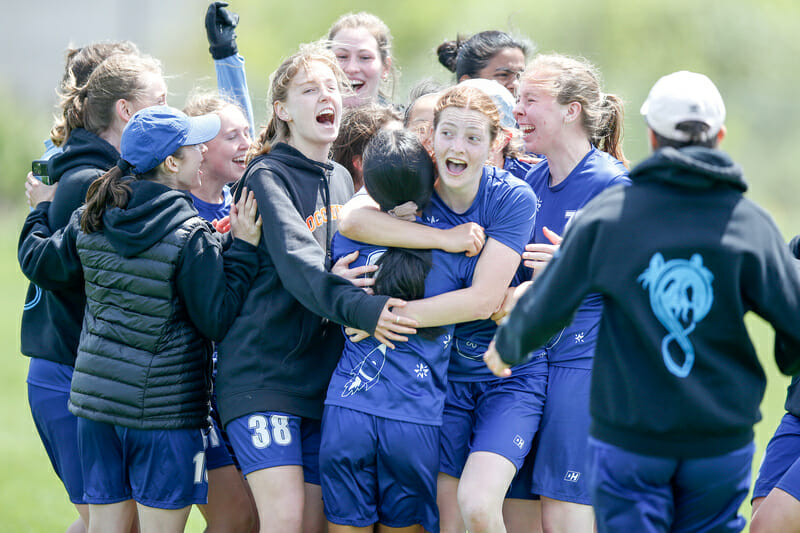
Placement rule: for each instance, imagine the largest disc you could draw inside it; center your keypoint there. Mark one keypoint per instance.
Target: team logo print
(572, 476)
(680, 296)
(579, 337)
(37, 296)
(430, 219)
(373, 257)
(366, 373)
(469, 350)
(421, 370)
(519, 442)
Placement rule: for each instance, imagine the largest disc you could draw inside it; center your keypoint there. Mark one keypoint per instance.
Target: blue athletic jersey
(517, 167)
(214, 211)
(574, 345)
(407, 383)
(506, 209)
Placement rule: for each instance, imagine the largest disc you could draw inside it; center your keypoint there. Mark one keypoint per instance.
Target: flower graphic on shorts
(421, 370)
(579, 337)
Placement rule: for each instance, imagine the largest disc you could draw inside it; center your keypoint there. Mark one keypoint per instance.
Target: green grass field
(32, 498)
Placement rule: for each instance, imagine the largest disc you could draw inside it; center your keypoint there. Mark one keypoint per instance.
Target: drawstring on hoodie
(326, 196)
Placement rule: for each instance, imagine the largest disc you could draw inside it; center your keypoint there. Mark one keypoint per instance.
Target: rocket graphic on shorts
(366, 373)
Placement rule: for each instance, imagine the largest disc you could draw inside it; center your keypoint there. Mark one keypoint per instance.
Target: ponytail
(79, 65)
(106, 192)
(73, 102)
(401, 274)
(609, 136)
(263, 144)
(575, 79)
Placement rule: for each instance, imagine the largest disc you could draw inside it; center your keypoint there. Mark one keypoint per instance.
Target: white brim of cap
(202, 129)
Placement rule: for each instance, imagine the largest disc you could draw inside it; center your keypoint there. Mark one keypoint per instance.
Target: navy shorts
(559, 466)
(633, 492)
(499, 416)
(58, 430)
(217, 454)
(268, 439)
(781, 465)
(378, 470)
(520, 488)
(164, 469)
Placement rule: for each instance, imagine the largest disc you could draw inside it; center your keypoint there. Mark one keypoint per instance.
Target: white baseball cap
(681, 97)
(501, 97)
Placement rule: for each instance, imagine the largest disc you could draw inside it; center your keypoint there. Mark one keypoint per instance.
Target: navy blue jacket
(679, 257)
(51, 319)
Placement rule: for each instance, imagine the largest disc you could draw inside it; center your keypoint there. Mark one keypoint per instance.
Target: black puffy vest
(141, 363)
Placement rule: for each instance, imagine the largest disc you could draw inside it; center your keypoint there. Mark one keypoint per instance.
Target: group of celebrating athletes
(295, 332)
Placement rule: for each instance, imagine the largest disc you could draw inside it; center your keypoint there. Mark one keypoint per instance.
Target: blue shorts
(378, 470)
(633, 492)
(499, 416)
(58, 430)
(268, 439)
(520, 488)
(559, 466)
(164, 469)
(781, 464)
(217, 454)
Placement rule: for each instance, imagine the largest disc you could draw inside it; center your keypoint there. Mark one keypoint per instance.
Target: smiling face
(461, 143)
(357, 52)
(505, 68)
(224, 161)
(189, 175)
(539, 115)
(312, 110)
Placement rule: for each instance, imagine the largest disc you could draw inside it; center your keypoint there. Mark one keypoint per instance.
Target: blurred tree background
(748, 48)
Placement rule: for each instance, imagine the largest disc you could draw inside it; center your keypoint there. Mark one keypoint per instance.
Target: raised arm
(231, 78)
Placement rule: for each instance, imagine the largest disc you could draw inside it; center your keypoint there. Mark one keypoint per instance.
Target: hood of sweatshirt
(691, 167)
(83, 149)
(153, 211)
(292, 157)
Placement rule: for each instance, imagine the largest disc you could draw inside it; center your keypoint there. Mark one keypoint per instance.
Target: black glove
(220, 24)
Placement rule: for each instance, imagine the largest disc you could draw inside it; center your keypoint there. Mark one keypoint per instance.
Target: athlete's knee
(480, 514)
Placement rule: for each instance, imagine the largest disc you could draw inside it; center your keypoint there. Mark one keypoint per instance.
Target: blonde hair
(577, 80)
(91, 106)
(277, 129)
(465, 97)
(383, 37)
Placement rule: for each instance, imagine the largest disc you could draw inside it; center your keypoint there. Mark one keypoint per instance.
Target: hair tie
(123, 165)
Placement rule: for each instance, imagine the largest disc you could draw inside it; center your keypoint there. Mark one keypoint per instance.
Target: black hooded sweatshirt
(679, 257)
(51, 320)
(281, 350)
